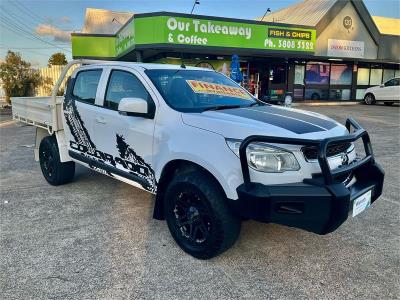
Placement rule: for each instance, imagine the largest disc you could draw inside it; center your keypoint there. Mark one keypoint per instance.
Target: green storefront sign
(182, 31)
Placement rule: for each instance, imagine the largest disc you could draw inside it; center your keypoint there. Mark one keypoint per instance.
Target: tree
(19, 79)
(57, 59)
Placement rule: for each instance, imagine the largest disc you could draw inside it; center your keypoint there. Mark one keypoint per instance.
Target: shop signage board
(125, 39)
(345, 48)
(181, 30)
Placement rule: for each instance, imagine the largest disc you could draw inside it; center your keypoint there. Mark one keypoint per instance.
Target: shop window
(316, 94)
(376, 77)
(338, 94)
(299, 74)
(317, 73)
(360, 94)
(341, 74)
(388, 74)
(363, 76)
(278, 74)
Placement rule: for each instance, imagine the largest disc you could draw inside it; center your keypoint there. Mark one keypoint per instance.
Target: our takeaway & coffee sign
(180, 31)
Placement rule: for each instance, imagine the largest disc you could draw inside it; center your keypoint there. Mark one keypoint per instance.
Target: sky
(36, 29)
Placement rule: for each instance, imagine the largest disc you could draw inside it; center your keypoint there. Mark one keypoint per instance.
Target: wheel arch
(61, 143)
(40, 135)
(167, 174)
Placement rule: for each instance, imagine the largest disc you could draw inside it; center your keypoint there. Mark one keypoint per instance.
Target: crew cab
(211, 153)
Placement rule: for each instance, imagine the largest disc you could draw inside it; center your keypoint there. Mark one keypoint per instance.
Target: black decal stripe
(76, 124)
(288, 117)
(126, 152)
(108, 168)
(290, 124)
(327, 124)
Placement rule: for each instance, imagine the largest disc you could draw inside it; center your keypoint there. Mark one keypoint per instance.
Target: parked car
(211, 153)
(388, 92)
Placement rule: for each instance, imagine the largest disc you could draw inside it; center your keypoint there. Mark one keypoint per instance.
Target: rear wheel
(54, 171)
(315, 96)
(388, 103)
(197, 215)
(369, 99)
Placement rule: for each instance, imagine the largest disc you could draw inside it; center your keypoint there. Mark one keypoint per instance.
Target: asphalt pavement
(95, 237)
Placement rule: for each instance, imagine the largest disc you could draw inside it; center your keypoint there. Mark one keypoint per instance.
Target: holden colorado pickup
(211, 153)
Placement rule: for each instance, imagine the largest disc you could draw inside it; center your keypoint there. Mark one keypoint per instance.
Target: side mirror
(136, 107)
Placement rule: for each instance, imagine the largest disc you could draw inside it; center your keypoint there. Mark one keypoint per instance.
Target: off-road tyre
(54, 171)
(197, 215)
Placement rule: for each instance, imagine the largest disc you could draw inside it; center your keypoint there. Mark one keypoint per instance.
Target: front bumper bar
(320, 204)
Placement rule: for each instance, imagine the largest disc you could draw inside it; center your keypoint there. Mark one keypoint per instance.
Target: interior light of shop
(335, 59)
(220, 57)
(207, 57)
(171, 57)
(197, 58)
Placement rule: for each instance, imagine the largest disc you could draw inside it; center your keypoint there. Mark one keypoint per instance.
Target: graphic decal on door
(128, 160)
(136, 164)
(76, 125)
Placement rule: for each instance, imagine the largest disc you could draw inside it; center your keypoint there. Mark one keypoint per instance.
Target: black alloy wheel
(197, 215)
(193, 219)
(54, 171)
(47, 161)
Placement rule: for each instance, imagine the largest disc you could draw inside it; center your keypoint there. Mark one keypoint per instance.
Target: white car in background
(388, 92)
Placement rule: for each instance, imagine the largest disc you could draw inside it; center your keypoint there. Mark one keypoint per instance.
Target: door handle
(101, 120)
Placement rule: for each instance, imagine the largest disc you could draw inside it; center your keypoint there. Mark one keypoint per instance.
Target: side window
(86, 83)
(121, 85)
(390, 82)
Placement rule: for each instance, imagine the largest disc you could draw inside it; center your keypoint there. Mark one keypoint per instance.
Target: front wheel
(369, 99)
(53, 170)
(197, 215)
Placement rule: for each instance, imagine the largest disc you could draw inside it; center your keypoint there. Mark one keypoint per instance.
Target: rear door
(79, 111)
(125, 142)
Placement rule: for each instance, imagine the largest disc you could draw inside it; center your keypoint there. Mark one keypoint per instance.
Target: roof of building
(103, 21)
(307, 12)
(387, 25)
(311, 12)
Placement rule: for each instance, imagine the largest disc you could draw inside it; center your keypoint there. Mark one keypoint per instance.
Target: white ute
(211, 153)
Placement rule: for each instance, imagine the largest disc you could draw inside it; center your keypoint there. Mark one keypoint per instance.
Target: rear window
(86, 83)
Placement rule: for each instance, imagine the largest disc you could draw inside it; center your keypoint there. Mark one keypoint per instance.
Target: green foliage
(57, 59)
(19, 79)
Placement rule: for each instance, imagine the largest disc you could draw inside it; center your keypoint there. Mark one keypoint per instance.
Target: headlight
(266, 158)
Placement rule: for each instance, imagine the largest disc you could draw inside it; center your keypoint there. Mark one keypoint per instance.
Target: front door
(125, 142)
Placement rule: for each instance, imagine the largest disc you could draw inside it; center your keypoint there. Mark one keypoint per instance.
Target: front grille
(311, 153)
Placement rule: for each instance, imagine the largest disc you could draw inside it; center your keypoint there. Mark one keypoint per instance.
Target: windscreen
(197, 90)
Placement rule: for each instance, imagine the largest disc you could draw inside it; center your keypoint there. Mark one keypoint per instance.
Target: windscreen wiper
(220, 107)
